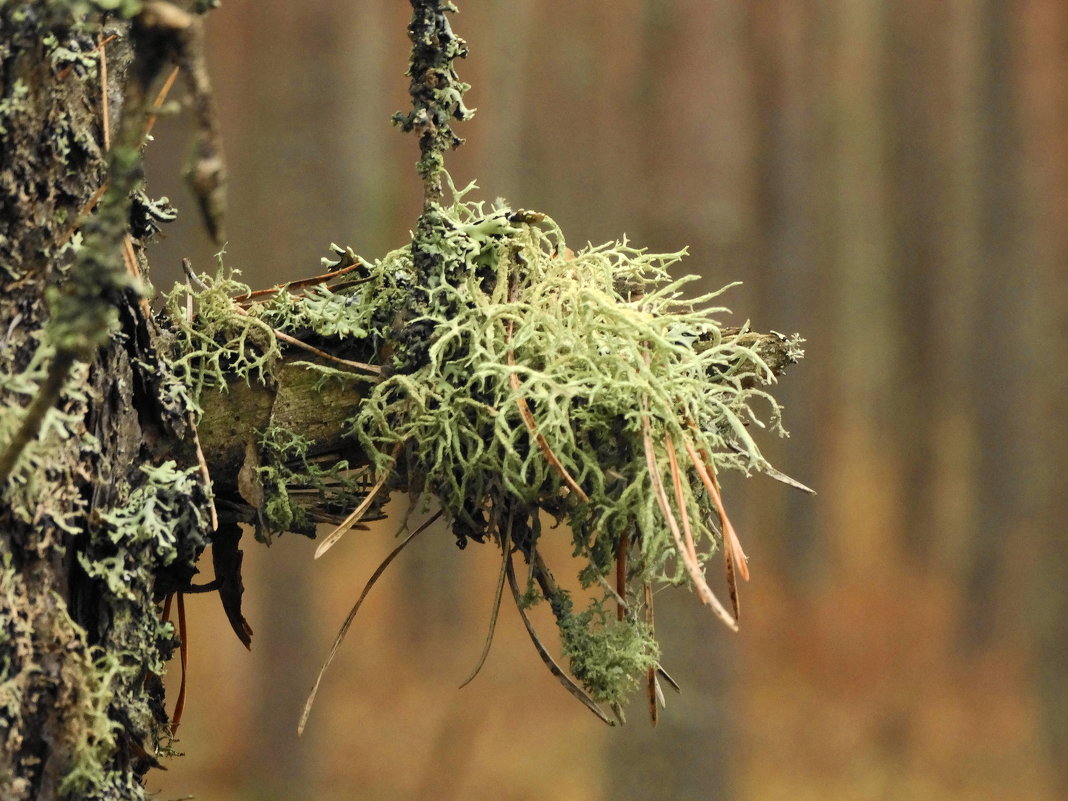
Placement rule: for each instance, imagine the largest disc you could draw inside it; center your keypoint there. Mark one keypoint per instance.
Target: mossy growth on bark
(97, 522)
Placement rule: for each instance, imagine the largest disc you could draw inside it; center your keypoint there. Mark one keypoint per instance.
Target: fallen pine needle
(352, 615)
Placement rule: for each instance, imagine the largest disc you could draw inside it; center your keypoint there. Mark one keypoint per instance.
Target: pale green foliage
(608, 656)
(27, 488)
(614, 365)
(363, 308)
(286, 469)
(94, 735)
(595, 343)
(14, 103)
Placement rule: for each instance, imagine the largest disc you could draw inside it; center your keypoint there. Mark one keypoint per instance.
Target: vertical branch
(437, 100)
(437, 91)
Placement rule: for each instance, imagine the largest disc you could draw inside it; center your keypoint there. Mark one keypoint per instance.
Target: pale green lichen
(146, 531)
(611, 359)
(494, 315)
(13, 104)
(26, 492)
(223, 343)
(594, 344)
(607, 655)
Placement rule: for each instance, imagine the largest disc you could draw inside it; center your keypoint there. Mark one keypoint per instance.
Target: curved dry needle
(674, 685)
(621, 575)
(653, 686)
(693, 568)
(357, 513)
(506, 543)
(546, 657)
(732, 546)
(352, 614)
(680, 498)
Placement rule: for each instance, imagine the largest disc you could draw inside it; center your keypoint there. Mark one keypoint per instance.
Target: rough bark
(95, 527)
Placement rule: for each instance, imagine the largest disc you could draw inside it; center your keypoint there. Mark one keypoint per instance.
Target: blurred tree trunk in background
(1042, 63)
(912, 185)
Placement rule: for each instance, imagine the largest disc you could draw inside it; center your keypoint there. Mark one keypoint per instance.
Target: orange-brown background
(888, 178)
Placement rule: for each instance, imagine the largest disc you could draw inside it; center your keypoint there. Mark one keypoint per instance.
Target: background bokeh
(890, 179)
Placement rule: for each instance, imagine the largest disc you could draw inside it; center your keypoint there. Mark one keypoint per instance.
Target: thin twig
(204, 473)
(105, 114)
(772, 472)
(130, 257)
(352, 615)
(680, 497)
(674, 685)
(368, 368)
(150, 120)
(300, 283)
(532, 427)
(90, 204)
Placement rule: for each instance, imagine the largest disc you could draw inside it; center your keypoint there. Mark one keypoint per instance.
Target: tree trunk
(96, 525)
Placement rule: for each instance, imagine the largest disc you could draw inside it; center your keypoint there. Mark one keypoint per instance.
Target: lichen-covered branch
(521, 378)
(437, 91)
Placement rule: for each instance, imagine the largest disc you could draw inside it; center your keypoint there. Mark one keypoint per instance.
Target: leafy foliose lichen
(156, 527)
(29, 494)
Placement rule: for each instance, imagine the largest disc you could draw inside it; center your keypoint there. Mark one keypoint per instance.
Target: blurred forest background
(889, 179)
